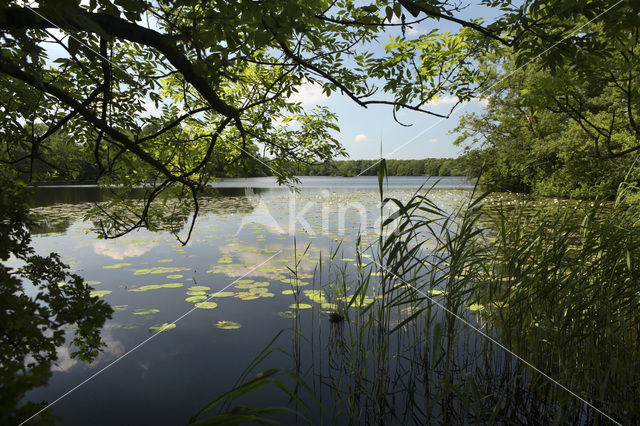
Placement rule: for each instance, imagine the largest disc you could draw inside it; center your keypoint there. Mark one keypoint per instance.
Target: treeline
(424, 167)
(550, 135)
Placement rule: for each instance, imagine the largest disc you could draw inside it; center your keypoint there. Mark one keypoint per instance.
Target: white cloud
(308, 93)
(443, 100)
(150, 108)
(481, 101)
(361, 138)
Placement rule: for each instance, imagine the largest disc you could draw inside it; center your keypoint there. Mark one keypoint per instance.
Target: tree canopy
(168, 95)
(155, 92)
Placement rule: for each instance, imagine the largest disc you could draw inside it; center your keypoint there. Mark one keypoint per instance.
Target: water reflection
(150, 280)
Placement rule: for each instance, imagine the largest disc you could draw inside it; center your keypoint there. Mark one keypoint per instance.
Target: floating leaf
(287, 291)
(165, 260)
(244, 286)
(145, 311)
(199, 298)
(247, 295)
(300, 306)
(225, 259)
(206, 305)
(315, 296)
(223, 294)
(228, 325)
(161, 327)
(475, 307)
(196, 293)
(159, 270)
(288, 314)
(128, 326)
(99, 293)
(120, 307)
(244, 281)
(117, 266)
(175, 277)
(155, 287)
(91, 282)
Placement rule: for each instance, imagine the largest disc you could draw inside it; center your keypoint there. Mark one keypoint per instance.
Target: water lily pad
(206, 305)
(117, 266)
(244, 286)
(159, 270)
(300, 306)
(155, 287)
(161, 327)
(175, 277)
(347, 259)
(198, 298)
(225, 259)
(475, 307)
(223, 294)
(437, 292)
(288, 314)
(120, 307)
(145, 311)
(247, 295)
(228, 325)
(99, 293)
(196, 293)
(128, 326)
(244, 281)
(165, 260)
(305, 276)
(287, 291)
(91, 282)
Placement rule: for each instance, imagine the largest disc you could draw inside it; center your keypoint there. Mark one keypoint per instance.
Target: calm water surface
(241, 246)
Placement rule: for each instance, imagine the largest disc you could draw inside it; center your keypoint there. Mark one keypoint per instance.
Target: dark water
(242, 244)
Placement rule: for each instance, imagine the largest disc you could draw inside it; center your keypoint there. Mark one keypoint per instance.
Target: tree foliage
(39, 299)
(563, 123)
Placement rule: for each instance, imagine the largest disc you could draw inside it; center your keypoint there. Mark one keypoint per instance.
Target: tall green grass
(500, 312)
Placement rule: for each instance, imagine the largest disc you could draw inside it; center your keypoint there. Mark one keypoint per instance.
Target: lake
(228, 290)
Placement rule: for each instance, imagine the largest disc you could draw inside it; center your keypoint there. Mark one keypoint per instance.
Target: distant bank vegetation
(424, 167)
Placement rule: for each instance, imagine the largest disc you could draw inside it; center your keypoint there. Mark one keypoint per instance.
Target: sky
(364, 132)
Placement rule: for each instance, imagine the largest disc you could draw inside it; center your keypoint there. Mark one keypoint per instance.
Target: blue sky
(362, 130)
